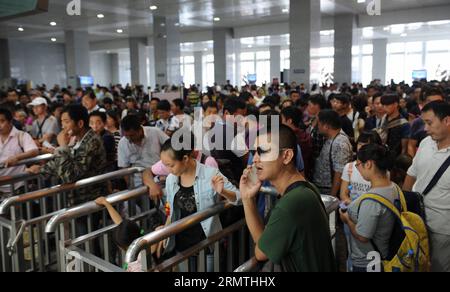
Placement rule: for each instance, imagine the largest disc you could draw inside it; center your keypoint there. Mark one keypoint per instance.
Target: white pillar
(223, 55)
(304, 26)
(77, 55)
(344, 26)
(138, 61)
(275, 62)
(379, 59)
(115, 79)
(198, 63)
(166, 40)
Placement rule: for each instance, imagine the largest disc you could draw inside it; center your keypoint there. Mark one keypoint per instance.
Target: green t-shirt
(298, 233)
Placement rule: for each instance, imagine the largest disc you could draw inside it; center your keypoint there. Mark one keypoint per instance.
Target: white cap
(38, 101)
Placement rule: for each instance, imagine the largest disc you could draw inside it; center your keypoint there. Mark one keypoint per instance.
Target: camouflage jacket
(75, 163)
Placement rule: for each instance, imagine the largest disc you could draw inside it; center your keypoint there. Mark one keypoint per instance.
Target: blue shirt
(205, 197)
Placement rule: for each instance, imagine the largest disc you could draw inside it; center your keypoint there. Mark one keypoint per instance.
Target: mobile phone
(343, 207)
(253, 176)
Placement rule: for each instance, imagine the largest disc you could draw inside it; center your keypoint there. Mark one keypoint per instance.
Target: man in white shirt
(140, 146)
(90, 102)
(167, 123)
(45, 128)
(177, 108)
(15, 146)
(432, 154)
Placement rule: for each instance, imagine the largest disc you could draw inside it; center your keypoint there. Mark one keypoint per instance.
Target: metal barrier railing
(331, 205)
(31, 161)
(71, 257)
(223, 251)
(141, 244)
(24, 246)
(27, 179)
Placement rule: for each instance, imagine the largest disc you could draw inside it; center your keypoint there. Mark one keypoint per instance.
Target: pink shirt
(135, 267)
(12, 147)
(159, 169)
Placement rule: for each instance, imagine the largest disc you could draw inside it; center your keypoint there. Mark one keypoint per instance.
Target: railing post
(145, 261)
(201, 262)
(18, 258)
(61, 238)
(217, 257)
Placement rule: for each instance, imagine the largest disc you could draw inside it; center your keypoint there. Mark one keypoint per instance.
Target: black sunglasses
(262, 152)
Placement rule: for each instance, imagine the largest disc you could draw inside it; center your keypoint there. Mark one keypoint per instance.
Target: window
(208, 70)
(187, 68)
(438, 59)
(362, 63)
(285, 60)
(402, 60)
(322, 65)
(255, 62)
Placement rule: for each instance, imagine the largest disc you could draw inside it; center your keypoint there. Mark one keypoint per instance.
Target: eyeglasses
(262, 152)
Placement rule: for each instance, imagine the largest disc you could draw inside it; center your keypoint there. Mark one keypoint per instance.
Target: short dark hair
(7, 114)
(209, 104)
(99, 114)
(390, 99)
(131, 122)
(294, 92)
(131, 99)
(287, 139)
(56, 105)
(90, 94)
(179, 103)
(330, 118)
(155, 99)
(292, 113)
(343, 98)
(318, 100)
(108, 100)
(115, 116)
(266, 104)
(371, 137)
(246, 96)
(440, 108)
(164, 105)
(273, 100)
(127, 232)
(77, 113)
(232, 105)
(434, 91)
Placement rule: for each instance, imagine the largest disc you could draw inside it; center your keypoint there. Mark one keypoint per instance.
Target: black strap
(331, 160)
(203, 159)
(437, 177)
(40, 126)
(309, 186)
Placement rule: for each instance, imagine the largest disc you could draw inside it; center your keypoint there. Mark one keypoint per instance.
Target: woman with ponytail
(370, 223)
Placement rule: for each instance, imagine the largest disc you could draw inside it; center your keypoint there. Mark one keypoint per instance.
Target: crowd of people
(343, 140)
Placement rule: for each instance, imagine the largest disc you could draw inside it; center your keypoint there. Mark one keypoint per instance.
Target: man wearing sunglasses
(297, 236)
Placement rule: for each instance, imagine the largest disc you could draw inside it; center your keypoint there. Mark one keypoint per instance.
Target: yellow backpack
(409, 244)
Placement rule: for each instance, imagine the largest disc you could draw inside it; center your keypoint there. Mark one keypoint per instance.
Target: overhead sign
(12, 8)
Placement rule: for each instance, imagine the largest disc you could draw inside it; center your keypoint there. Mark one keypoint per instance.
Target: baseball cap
(38, 101)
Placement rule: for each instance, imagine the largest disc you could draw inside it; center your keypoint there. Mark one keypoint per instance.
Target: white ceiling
(135, 17)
